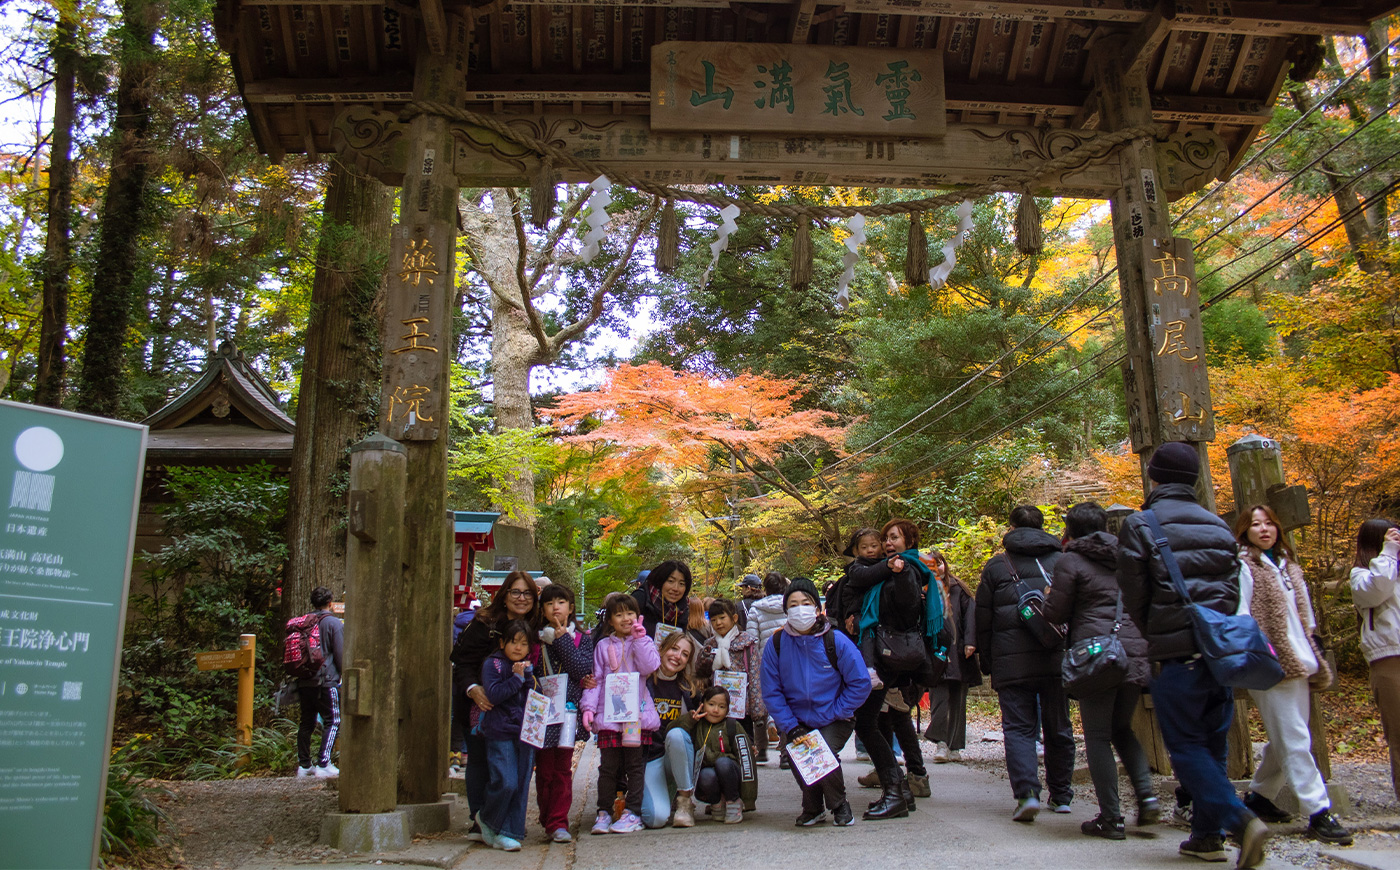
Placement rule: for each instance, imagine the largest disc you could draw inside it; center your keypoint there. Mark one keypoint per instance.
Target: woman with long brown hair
(947, 727)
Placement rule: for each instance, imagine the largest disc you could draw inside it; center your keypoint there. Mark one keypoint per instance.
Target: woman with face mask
(814, 679)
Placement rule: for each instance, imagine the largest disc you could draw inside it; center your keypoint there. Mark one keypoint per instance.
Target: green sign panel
(69, 485)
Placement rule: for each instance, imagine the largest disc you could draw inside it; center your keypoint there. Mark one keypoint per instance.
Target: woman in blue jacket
(814, 680)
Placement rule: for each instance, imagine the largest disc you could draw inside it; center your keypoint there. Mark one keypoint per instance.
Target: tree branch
(532, 316)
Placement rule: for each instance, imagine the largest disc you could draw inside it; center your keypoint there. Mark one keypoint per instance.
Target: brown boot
(685, 811)
(869, 780)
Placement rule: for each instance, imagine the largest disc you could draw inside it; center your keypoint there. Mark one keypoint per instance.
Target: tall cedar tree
(53, 364)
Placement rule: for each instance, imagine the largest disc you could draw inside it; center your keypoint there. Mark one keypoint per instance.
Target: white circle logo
(39, 448)
(21, 689)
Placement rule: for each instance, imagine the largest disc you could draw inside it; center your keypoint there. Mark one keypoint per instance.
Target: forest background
(621, 414)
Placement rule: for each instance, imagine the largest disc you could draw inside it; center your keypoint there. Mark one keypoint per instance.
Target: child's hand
(697, 715)
(639, 630)
(589, 682)
(896, 564)
(519, 668)
(588, 719)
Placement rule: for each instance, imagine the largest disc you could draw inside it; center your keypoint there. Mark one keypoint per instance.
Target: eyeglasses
(520, 594)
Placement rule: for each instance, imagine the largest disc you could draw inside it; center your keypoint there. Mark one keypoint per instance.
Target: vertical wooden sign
(415, 314)
(1184, 410)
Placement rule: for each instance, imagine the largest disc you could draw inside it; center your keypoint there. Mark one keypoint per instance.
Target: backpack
(302, 653)
(828, 641)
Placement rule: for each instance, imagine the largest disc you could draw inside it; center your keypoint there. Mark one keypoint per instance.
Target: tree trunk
(337, 404)
(124, 214)
(1359, 236)
(57, 260)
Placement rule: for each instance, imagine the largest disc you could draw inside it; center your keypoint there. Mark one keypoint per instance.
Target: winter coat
(1005, 647)
(1373, 591)
(745, 655)
(568, 653)
(713, 742)
(766, 615)
(847, 599)
(612, 655)
(901, 604)
(477, 641)
(1085, 595)
(1207, 553)
(1268, 597)
(800, 687)
(962, 615)
(651, 613)
(507, 693)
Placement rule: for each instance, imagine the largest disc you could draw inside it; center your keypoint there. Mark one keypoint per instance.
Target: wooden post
(1165, 381)
(1256, 475)
(414, 406)
(374, 575)
(248, 646)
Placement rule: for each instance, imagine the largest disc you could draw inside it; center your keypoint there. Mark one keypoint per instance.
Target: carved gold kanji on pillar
(1178, 347)
(414, 315)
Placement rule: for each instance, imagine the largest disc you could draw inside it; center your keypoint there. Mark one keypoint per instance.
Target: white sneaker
(561, 836)
(603, 824)
(327, 771)
(940, 753)
(955, 755)
(875, 682)
(305, 771)
(627, 823)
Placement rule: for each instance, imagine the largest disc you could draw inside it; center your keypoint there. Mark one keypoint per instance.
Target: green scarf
(933, 602)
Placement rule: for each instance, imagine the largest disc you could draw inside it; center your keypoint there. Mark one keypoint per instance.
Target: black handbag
(1234, 649)
(1096, 664)
(901, 653)
(1030, 607)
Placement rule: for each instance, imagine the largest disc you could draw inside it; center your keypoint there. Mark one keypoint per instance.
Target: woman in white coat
(1273, 591)
(1373, 591)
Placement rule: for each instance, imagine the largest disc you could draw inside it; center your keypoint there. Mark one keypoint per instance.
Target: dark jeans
(458, 722)
(510, 763)
(621, 762)
(718, 783)
(1108, 725)
(1194, 712)
(868, 730)
(947, 712)
(1030, 710)
(832, 787)
(899, 725)
(476, 772)
(322, 702)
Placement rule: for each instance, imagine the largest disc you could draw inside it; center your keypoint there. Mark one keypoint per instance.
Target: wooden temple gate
(931, 94)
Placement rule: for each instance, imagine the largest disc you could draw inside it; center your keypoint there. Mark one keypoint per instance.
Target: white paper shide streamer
(938, 275)
(598, 217)
(856, 226)
(727, 226)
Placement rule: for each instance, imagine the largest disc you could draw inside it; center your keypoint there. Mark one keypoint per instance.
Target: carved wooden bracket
(373, 141)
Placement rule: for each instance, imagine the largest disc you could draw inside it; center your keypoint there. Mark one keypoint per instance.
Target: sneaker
(488, 836)
(1099, 826)
(869, 780)
(1061, 807)
(474, 833)
(1181, 814)
(918, 784)
(1265, 809)
(876, 683)
(811, 820)
(955, 755)
(561, 835)
(734, 813)
(327, 771)
(628, 824)
(506, 844)
(1324, 827)
(716, 811)
(1149, 812)
(843, 816)
(783, 763)
(1252, 840)
(940, 753)
(602, 824)
(1207, 847)
(1039, 749)
(303, 772)
(1026, 809)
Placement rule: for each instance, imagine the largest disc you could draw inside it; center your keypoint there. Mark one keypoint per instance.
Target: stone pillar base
(366, 832)
(427, 818)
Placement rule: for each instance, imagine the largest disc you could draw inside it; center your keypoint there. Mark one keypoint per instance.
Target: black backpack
(828, 641)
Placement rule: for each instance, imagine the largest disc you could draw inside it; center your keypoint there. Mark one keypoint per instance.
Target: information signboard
(73, 484)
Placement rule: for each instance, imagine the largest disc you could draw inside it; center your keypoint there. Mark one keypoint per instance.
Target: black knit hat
(801, 584)
(1175, 462)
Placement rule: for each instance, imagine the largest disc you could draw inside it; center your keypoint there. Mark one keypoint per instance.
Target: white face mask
(802, 617)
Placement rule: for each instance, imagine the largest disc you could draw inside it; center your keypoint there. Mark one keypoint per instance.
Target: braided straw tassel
(802, 255)
(542, 195)
(916, 258)
(1029, 239)
(668, 240)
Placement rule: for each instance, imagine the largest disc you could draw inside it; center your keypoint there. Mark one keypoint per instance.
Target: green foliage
(130, 817)
(975, 541)
(1235, 329)
(990, 482)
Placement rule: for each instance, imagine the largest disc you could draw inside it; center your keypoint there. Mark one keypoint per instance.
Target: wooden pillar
(418, 346)
(374, 575)
(1165, 381)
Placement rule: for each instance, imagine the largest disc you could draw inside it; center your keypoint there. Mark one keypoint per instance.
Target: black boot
(891, 804)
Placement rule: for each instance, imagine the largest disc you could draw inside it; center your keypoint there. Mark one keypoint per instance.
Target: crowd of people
(684, 694)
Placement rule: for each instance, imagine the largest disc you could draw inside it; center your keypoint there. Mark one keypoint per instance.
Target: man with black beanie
(1193, 709)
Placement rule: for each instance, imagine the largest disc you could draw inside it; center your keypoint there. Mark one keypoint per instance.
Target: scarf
(722, 660)
(670, 613)
(932, 616)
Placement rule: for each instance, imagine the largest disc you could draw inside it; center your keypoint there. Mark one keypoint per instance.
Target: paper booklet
(622, 698)
(533, 723)
(556, 688)
(811, 757)
(737, 682)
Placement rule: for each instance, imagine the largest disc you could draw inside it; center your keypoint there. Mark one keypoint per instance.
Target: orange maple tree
(711, 434)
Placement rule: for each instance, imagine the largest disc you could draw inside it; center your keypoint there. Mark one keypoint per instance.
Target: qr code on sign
(72, 691)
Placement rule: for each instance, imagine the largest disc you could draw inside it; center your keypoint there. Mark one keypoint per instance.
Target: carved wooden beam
(434, 25)
(1147, 38)
(801, 24)
(375, 141)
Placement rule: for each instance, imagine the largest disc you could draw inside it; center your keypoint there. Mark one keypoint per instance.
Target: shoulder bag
(1096, 664)
(1234, 649)
(1030, 607)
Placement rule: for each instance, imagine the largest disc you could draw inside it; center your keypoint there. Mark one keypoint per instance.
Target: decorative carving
(1038, 145)
(566, 133)
(373, 141)
(1189, 161)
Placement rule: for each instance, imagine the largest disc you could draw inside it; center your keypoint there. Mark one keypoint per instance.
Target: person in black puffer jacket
(1085, 594)
(1025, 675)
(1193, 709)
